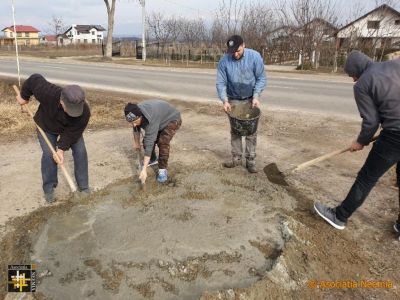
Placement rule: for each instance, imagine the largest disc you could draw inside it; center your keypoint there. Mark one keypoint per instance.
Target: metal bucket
(244, 119)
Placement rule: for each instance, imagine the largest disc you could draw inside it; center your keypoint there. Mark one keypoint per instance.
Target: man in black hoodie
(377, 95)
(63, 114)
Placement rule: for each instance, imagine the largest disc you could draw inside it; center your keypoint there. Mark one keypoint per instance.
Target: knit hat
(132, 112)
(73, 97)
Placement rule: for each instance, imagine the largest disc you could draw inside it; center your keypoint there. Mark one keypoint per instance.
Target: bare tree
(56, 26)
(193, 32)
(257, 21)
(314, 19)
(163, 29)
(110, 15)
(227, 20)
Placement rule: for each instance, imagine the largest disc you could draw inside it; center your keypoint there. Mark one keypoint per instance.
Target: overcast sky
(38, 13)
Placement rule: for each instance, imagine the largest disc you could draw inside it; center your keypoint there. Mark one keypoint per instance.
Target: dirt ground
(210, 233)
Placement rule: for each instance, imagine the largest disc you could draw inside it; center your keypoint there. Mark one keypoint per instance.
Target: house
(316, 31)
(279, 48)
(26, 35)
(82, 34)
(303, 43)
(280, 35)
(48, 40)
(378, 29)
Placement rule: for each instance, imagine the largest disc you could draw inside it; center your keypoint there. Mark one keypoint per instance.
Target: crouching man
(160, 121)
(63, 114)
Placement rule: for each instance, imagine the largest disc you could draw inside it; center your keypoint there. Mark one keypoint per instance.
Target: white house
(379, 28)
(82, 34)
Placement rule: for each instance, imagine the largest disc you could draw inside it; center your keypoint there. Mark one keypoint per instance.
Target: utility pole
(142, 3)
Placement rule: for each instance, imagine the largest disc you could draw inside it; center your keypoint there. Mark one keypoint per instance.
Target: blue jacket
(243, 78)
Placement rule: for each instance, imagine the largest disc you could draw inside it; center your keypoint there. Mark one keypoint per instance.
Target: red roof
(22, 28)
(50, 38)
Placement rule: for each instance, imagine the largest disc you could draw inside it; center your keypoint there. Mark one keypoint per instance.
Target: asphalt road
(329, 95)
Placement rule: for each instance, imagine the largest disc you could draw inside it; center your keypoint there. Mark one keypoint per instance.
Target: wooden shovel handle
(63, 169)
(324, 157)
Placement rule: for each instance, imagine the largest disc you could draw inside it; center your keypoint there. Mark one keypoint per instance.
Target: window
(93, 33)
(373, 24)
(397, 22)
(26, 34)
(11, 34)
(19, 34)
(85, 41)
(93, 41)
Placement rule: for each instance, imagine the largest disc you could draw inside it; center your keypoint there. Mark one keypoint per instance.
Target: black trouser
(383, 155)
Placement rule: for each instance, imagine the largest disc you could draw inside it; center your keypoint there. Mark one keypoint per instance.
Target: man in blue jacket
(377, 95)
(241, 78)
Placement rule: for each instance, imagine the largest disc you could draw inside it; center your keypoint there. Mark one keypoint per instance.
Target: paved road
(330, 95)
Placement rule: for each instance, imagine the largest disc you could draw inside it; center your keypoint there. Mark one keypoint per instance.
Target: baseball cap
(73, 97)
(233, 43)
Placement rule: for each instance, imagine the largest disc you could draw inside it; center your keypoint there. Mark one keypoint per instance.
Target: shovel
(278, 177)
(139, 156)
(140, 166)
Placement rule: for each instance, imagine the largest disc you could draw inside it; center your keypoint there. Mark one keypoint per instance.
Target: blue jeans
(49, 167)
(384, 154)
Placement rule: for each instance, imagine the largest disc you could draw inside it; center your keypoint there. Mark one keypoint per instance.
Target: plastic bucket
(244, 119)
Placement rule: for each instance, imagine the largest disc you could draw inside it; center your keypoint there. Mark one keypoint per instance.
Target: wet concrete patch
(212, 229)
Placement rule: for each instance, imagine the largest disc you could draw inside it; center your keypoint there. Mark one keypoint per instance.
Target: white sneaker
(162, 175)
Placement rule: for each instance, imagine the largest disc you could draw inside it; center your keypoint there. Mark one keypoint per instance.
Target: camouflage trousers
(163, 141)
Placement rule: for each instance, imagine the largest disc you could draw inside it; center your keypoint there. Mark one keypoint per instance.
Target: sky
(128, 20)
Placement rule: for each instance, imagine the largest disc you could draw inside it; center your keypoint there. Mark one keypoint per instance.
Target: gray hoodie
(377, 93)
(158, 113)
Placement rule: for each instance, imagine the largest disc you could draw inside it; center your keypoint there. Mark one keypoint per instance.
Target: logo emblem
(21, 278)
(231, 43)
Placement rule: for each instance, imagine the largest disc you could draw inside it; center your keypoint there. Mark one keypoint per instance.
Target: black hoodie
(377, 93)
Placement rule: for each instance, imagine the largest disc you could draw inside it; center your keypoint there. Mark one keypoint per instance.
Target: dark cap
(73, 97)
(132, 112)
(234, 43)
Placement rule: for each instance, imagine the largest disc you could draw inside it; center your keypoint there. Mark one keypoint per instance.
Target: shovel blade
(274, 175)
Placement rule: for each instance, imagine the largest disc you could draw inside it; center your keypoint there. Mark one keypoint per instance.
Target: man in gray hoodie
(160, 121)
(377, 95)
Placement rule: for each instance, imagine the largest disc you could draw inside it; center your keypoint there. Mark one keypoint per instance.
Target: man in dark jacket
(377, 95)
(160, 121)
(63, 114)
